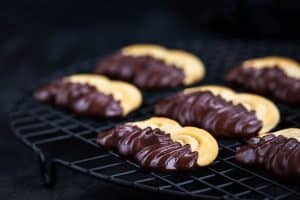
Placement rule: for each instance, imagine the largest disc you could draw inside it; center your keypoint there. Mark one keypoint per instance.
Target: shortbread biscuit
(265, 110)
(275, 76)
(288, 133)
(277, 152)
(192, 66)
(221, 111)
(92, 95)
(161, 144)
(199, 139)
(289, 66)
(153, 66)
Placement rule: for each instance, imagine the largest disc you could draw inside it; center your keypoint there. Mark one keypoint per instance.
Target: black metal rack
(61, 139)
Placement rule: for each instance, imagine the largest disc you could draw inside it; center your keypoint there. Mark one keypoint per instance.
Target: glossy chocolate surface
(151, 148)
(276, 154)
(210, 112)
(267, 81)
(82, 99)
(144, 71)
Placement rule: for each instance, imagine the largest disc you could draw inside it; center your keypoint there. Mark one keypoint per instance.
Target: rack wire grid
(60, 138)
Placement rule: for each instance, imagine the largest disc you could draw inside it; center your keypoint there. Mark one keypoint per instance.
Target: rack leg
(47, 170)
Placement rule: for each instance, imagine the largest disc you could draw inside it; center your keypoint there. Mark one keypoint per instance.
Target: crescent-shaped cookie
(153, 66)
(221, 111)
(92, 95)
(275, 76)
(278, 152)
(290, 66)
(200, 140)
(161, 144)
(265, 110)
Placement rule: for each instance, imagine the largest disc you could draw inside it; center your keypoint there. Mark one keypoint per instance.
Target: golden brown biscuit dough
(289, 66)
(129, 96)
(288, 133)
(200, 140)
(266, 110)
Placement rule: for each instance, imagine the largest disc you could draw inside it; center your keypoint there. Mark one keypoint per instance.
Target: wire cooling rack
(59, 138)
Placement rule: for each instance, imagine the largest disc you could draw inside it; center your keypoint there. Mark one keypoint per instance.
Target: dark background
(40, 37)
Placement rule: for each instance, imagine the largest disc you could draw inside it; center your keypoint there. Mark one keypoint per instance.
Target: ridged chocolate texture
(82, 99)
(277, 154)
(210, 112)
(151, 148)
(267, 81)
(143, 71)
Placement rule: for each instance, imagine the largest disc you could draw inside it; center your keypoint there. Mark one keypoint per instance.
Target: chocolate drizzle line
(151, 148)
(277, 154)
(144, 71)
(82, 99)
(210, 112)
(267, 81)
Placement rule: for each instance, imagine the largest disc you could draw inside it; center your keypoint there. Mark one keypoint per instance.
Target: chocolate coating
(210, 112)
(277, 154)
(82, 99)
(151, 148)
(144, 71)
(267, 81)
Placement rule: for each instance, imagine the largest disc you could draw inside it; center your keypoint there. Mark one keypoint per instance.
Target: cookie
(153, 66)
(277, 152)
(91, 95)
(221, 111)
(161, 144)
(290, 67)
(265, 110)
(275, 76)
(288, 133)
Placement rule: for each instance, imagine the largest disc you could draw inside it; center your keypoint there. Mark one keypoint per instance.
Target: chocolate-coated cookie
(91, 95)
(152, 67)
(275, 76)
(161, 144)
(277, 152)
(221, 111)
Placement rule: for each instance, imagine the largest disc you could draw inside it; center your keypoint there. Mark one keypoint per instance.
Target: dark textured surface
(39, 124)
(36, 42)
(20, 176)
